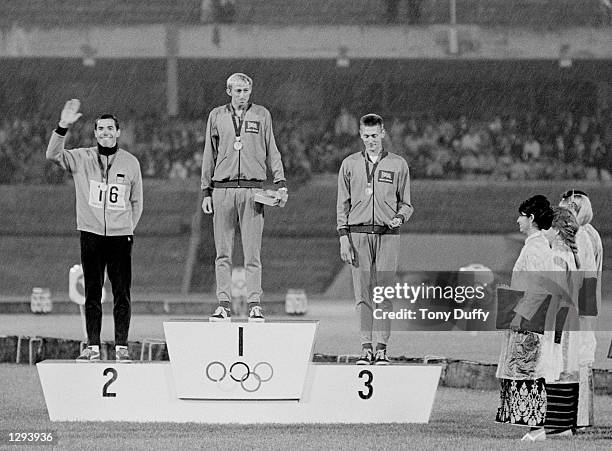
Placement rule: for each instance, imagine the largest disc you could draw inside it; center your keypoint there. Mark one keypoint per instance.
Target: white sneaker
(256, 314)
(89, 355)
(380, 357)
(122, 355)
(221, 314)
(366, 358)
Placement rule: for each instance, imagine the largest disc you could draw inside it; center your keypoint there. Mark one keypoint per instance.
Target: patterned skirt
(522, 402)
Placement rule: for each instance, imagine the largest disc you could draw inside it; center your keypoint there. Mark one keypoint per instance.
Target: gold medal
(369, 191)
(103, 187)
(237, 145)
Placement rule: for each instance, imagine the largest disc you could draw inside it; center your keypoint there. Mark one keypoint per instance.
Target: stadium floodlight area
(238, 372)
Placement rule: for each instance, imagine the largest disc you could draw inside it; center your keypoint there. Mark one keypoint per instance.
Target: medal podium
(238, 372)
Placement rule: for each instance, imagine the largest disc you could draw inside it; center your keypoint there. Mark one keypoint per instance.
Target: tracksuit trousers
(376, 257)
(113, 253)
(233, 207)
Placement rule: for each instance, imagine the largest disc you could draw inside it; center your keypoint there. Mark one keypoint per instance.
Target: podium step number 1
(240, 360)
(238, 372)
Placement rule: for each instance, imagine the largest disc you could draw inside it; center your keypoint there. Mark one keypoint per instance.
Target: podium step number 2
(217, 384)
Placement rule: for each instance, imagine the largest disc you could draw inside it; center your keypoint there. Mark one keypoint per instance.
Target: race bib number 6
(113, 192)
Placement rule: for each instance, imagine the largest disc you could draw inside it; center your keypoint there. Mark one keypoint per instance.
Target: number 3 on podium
(369, 377)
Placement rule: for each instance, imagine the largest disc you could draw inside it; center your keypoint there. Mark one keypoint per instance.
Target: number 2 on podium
(368, 384)
(105, 392)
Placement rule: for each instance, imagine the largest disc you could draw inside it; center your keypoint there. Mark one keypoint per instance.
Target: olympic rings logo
(249, 379)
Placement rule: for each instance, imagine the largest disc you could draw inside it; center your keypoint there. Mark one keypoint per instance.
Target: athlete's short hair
(106, 116)
(238, 77)
(371, 120)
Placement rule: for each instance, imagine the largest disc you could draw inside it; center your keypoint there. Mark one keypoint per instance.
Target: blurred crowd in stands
(500, 148)
(541, 14)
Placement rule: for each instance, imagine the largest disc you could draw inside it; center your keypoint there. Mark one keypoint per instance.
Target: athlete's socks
(226, 305)
(380, 346)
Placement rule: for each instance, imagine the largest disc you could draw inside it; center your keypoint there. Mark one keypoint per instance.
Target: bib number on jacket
(114, 192)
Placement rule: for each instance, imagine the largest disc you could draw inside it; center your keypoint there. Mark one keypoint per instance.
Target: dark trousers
(113, 253)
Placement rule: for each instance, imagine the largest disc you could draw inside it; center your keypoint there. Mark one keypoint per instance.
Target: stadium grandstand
(471, 90)
(88, 12)
(489, 13)
(469, 112)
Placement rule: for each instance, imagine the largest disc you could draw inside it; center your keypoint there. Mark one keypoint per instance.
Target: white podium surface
(145, 392)
(240, 360)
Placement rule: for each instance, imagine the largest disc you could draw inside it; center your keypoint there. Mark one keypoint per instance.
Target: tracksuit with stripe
(108, 185)
(232, 177)
(370, 194)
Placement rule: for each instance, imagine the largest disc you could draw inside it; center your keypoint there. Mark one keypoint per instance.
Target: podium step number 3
(238, 379)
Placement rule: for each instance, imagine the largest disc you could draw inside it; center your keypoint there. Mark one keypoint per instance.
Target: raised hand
(70, 113)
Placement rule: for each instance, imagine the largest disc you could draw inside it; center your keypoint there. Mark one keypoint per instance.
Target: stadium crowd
(500, 148)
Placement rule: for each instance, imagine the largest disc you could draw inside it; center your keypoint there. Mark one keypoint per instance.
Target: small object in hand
(267, 197)
(394, 223)
(282, 196)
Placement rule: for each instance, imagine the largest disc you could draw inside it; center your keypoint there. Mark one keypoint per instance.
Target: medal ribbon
(110, 163)
(370, 174)
(238, 126)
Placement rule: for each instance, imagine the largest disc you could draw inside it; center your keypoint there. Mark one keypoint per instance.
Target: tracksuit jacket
(390, 196)
(111, 210)
(222, 163)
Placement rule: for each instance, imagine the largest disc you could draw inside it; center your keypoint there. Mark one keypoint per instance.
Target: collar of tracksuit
(107, 151)
(383, 154)
(232, 110)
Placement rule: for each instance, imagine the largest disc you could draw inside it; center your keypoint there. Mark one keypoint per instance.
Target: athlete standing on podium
(238, 149)
(373, 201)
(108, 185)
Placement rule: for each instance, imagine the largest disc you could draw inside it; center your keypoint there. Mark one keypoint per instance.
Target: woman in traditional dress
(521, 369)
(590, 253)
(561, 346)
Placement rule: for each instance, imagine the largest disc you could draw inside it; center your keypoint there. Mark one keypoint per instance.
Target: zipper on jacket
(239, 152)
(105, 194)
(380, 157)
(373, 199)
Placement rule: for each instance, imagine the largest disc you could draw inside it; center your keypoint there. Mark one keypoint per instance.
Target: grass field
(461, 419)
